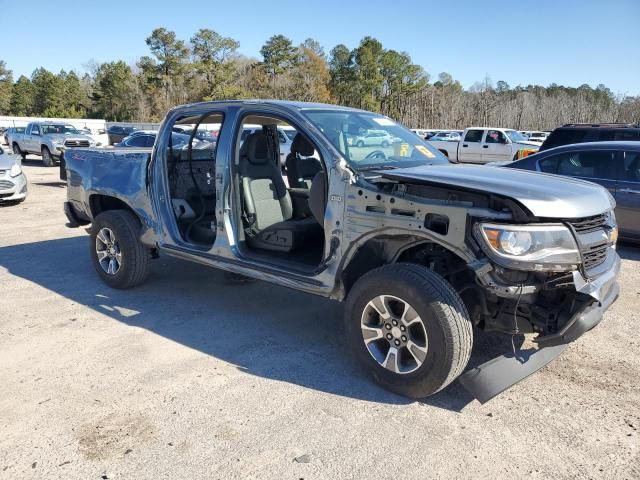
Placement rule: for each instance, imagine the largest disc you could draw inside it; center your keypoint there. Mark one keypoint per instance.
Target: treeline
(209, 67)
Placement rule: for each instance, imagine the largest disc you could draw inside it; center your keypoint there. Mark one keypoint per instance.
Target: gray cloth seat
(267, 208)
(300, 165)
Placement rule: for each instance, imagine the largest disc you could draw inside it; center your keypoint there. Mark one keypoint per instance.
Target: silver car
(13, 181)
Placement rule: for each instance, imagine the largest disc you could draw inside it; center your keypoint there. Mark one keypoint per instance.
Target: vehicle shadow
(264, 330)
(57, 184)
(629, 251)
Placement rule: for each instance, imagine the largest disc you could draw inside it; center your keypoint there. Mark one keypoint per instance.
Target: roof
(609, 145)
(281, 103)
(600, 125)
(491, 128)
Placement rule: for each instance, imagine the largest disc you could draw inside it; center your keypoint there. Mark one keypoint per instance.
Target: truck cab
(485, 145)
(421, 251)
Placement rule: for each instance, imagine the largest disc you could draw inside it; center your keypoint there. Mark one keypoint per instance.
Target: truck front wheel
(116, 251)
(47, 158)
(17, 151)
(409, 328)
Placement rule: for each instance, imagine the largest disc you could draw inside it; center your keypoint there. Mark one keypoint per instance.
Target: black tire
(444, 152)
(17, 151)
(135, 257)
(47, 158)
(446, 322)
(360, 143)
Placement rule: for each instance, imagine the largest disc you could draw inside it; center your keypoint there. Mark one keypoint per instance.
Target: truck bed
(115, 172)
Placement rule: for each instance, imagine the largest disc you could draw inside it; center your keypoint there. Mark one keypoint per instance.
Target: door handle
(630, 190)
(464, 145)
(485, 146)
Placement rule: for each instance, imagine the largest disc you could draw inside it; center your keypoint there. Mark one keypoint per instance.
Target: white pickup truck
(487, 144)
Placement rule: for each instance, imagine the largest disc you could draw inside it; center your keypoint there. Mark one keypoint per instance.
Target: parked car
(13, 181)
(535, 136)
(486, 144)
(100, 136)
(117, 133)
(48, 139)
(614, 165)
(591, 132)
(446, 136)
(147, 139)
(420, 250)
(424, 133)
(12, 131)
(370, 138)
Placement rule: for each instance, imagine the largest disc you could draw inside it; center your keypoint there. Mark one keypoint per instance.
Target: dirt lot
(190, 376)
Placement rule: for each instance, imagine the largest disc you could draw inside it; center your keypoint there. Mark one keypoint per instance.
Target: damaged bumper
(495, 376)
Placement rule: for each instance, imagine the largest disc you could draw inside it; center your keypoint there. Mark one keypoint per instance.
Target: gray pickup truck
(48, 139)
(421, 251)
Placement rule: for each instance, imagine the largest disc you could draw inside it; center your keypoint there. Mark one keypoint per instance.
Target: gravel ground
(193, 376)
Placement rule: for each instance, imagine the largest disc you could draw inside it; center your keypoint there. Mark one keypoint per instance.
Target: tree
(112, 96)
(22, 97)
(213, 55)
(367, 58)
(311, 76)
(343, 75)
(6, 85)
(48, 93)
(279, 55)
(171, 55)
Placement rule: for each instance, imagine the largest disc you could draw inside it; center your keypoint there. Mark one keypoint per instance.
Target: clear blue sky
(569, 42)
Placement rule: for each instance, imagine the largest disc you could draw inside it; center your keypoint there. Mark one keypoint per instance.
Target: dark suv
(117, 133)
(591, 132)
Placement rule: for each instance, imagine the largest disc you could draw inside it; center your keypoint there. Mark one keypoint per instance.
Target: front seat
(300, 164)
(267, 209)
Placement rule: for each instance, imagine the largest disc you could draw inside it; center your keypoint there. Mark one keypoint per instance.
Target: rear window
(598, 164)
(564, 136)
(474, 136)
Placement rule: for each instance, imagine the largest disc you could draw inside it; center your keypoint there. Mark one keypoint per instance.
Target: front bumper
(17, 191)
(604, 289)
(495, 376)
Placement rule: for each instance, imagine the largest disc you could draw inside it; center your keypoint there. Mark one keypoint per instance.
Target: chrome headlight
(530, 247)
(16, 170)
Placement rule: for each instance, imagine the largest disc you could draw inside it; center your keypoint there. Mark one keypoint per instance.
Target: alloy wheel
(394, 334)
(108, 251)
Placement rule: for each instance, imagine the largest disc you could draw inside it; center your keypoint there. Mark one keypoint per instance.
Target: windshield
(59, 129)
(515, 136)
(369, 141)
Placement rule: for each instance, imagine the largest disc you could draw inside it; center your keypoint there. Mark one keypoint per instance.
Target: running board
(497, 375)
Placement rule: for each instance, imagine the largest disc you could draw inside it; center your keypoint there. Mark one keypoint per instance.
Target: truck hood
(528, 143)
(61, 137)
(544, 195)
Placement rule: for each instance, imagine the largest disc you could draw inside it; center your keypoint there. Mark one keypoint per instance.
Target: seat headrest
(256, 148)
(302, 146)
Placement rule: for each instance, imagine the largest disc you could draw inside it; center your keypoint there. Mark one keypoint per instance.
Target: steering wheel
(376, 154)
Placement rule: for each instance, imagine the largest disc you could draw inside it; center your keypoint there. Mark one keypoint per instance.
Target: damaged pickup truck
(421, 251)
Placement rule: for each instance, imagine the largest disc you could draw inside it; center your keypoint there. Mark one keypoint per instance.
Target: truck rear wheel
(408, 328)
(47, 158)
(116, 251)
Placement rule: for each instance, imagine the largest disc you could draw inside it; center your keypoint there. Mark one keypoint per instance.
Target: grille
(589, 224)
(595, 255)
(76, 143)
(5, 184)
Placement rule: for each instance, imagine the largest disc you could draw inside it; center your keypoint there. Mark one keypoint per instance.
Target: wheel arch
(387, 249)
(99, 203)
